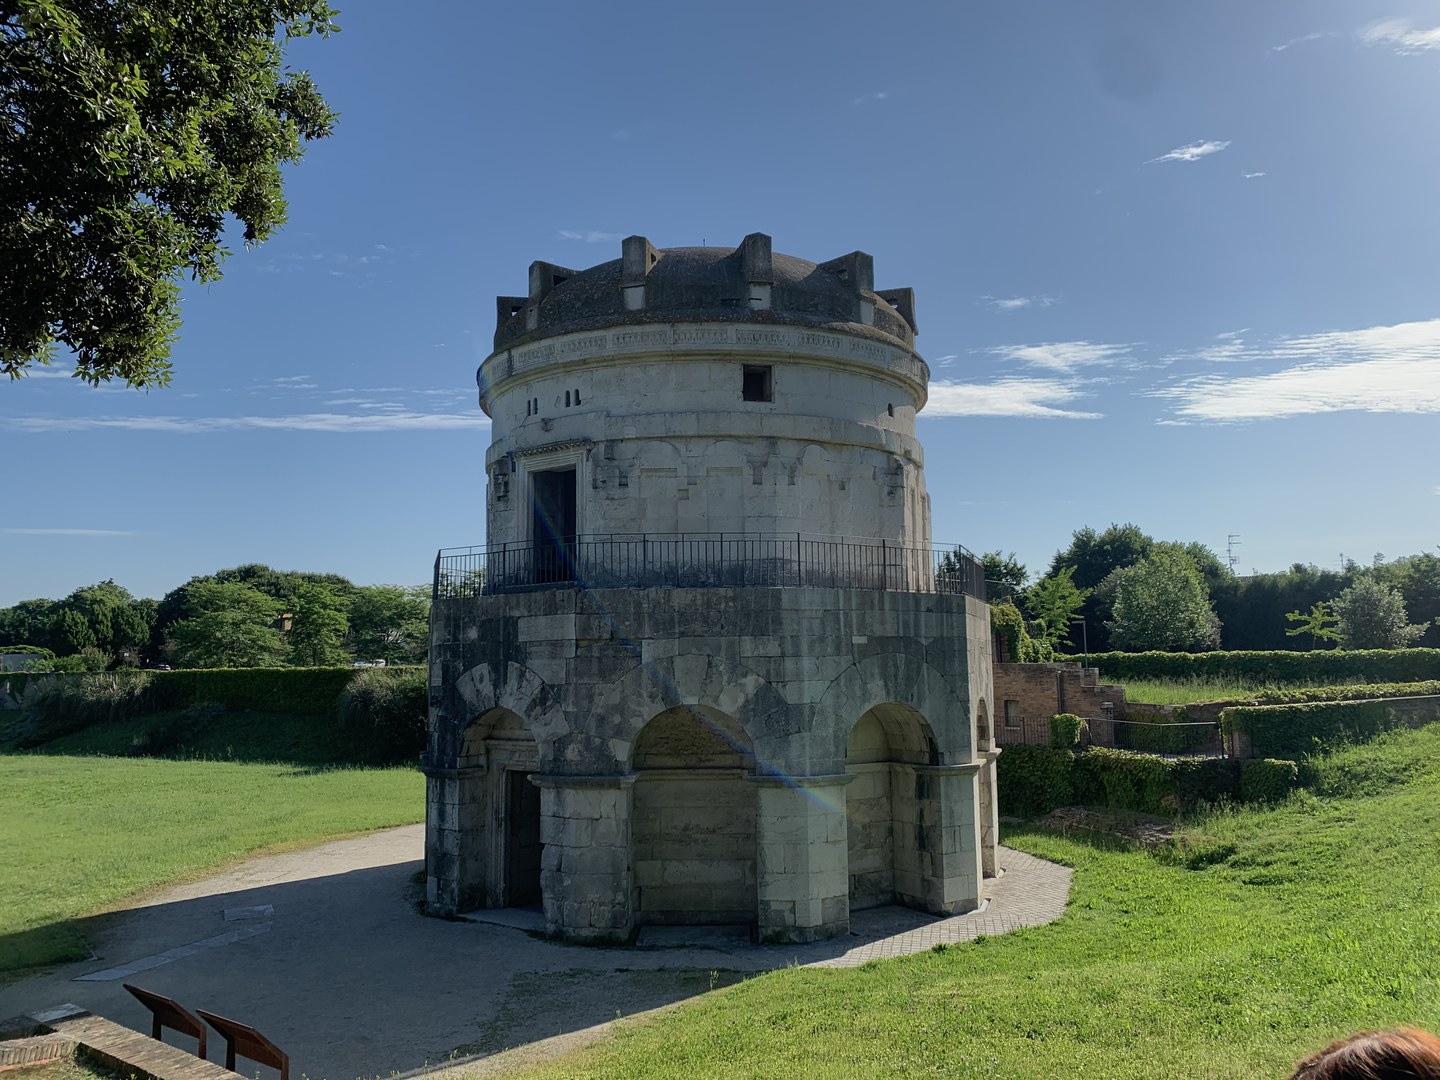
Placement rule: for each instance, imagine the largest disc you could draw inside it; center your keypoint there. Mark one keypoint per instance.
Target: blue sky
(1175, 264)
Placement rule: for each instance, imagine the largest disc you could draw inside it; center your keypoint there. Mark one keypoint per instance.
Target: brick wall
(1039, 691)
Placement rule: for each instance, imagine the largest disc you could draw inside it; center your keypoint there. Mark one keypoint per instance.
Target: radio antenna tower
(1231, 543)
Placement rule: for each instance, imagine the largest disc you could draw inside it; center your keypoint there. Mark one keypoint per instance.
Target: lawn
(1185, 691)
(83, 833)
(1259, 936)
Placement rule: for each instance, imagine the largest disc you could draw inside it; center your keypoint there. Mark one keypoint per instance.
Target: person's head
(1401, 1054)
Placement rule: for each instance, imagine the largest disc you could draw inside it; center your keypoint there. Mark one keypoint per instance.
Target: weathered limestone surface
(642, 713)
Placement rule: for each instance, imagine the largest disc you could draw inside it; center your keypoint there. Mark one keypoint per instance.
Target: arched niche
(886, 806)
(693, 819)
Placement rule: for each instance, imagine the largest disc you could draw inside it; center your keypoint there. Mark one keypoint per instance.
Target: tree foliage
(1053, 602)
(390, 623)
(319, 619)
(1371, 615)
(230, 625)
(1004, 573)
(129, 129)
(1319, 622)
(1161, 602)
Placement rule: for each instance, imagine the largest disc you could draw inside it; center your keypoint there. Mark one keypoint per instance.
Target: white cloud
(69, 532)
(1064, 355)
(1036, 398)
(339, 423)
(590, 236)
(1296, 41)
(878, 95)
(1380, 369)
(42, 371)
(1253, 175)
(1017, 303)
(1192, 151)
(1399, 35)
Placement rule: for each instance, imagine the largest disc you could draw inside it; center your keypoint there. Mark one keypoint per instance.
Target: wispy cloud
(43, 371)
(1253, 175)
(1017, 303)
(1301, 40)
(1399, 35)
(1064, 356)
(69, 532)
(590, 236)
(337, 423)
(877, 95)
(1381, 369)
(1033, 398)
(1192, 151)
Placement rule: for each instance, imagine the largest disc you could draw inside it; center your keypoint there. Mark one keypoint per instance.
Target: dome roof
(742, 284)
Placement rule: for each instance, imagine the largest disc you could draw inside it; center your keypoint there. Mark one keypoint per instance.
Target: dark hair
(1401, 1054)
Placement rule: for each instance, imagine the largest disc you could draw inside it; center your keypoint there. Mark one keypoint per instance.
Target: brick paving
(1030, 892)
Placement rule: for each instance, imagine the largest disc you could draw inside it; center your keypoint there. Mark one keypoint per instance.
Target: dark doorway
(522, 847)
(554, 525)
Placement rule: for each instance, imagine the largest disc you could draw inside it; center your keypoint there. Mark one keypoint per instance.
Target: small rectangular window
(756, 384)
(1012, 714)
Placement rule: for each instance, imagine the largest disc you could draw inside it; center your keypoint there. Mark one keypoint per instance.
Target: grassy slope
(1262, 935)
(81, 833)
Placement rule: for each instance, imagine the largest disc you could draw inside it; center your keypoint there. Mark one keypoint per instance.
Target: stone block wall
(577, 683)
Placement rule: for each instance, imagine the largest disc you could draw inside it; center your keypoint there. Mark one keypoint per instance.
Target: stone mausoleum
(707, 668)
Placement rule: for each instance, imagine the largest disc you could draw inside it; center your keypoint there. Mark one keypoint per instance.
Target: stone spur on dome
(707, 667)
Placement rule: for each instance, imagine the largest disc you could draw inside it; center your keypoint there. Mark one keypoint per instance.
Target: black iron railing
(706, 560)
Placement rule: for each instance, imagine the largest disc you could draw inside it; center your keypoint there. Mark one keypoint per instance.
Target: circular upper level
(745, 284)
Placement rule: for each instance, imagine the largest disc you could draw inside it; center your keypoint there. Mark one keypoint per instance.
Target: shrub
(390, 706)
(1206, 780)
(56, 705)
(1294, 731)
(1033, 779)
(1131, 781)
(1267, 779)
(1328, 666)
(1066, 730)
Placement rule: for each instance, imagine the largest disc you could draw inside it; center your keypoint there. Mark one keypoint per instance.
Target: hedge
(1066, 730)
(1034, 780)
(1267, 780)
(58, 704)
(1160, 737)
(1329, 666)
(1348, 692)
(1299, 730)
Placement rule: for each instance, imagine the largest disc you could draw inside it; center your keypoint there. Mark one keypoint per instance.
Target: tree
(390, 623)
(1093, 557)
(1162, 603)
(1004, 570)
(319, 623)
(1320, 623)
(129, 129)
(231, 625)
(1418, 579)
(1372, 615)
(1052, 603)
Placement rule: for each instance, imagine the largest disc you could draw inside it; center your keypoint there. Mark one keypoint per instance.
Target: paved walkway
(326, 953)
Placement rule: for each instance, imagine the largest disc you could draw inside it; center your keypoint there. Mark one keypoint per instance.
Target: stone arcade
(707, 668)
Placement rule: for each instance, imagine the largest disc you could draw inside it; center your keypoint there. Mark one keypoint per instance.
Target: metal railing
(707, 560)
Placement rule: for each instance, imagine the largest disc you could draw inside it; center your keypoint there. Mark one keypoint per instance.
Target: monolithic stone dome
(741, 284)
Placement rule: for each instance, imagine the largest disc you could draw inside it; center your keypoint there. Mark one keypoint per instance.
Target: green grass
(1186, 691)
(83, 833)
(67, 1068)
(1256, 938)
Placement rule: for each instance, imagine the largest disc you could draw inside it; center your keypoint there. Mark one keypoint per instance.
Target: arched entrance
(890, 838)
(500, 812)
(693, 820)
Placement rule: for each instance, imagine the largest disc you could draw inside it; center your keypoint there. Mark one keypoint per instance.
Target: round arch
(897, 679)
